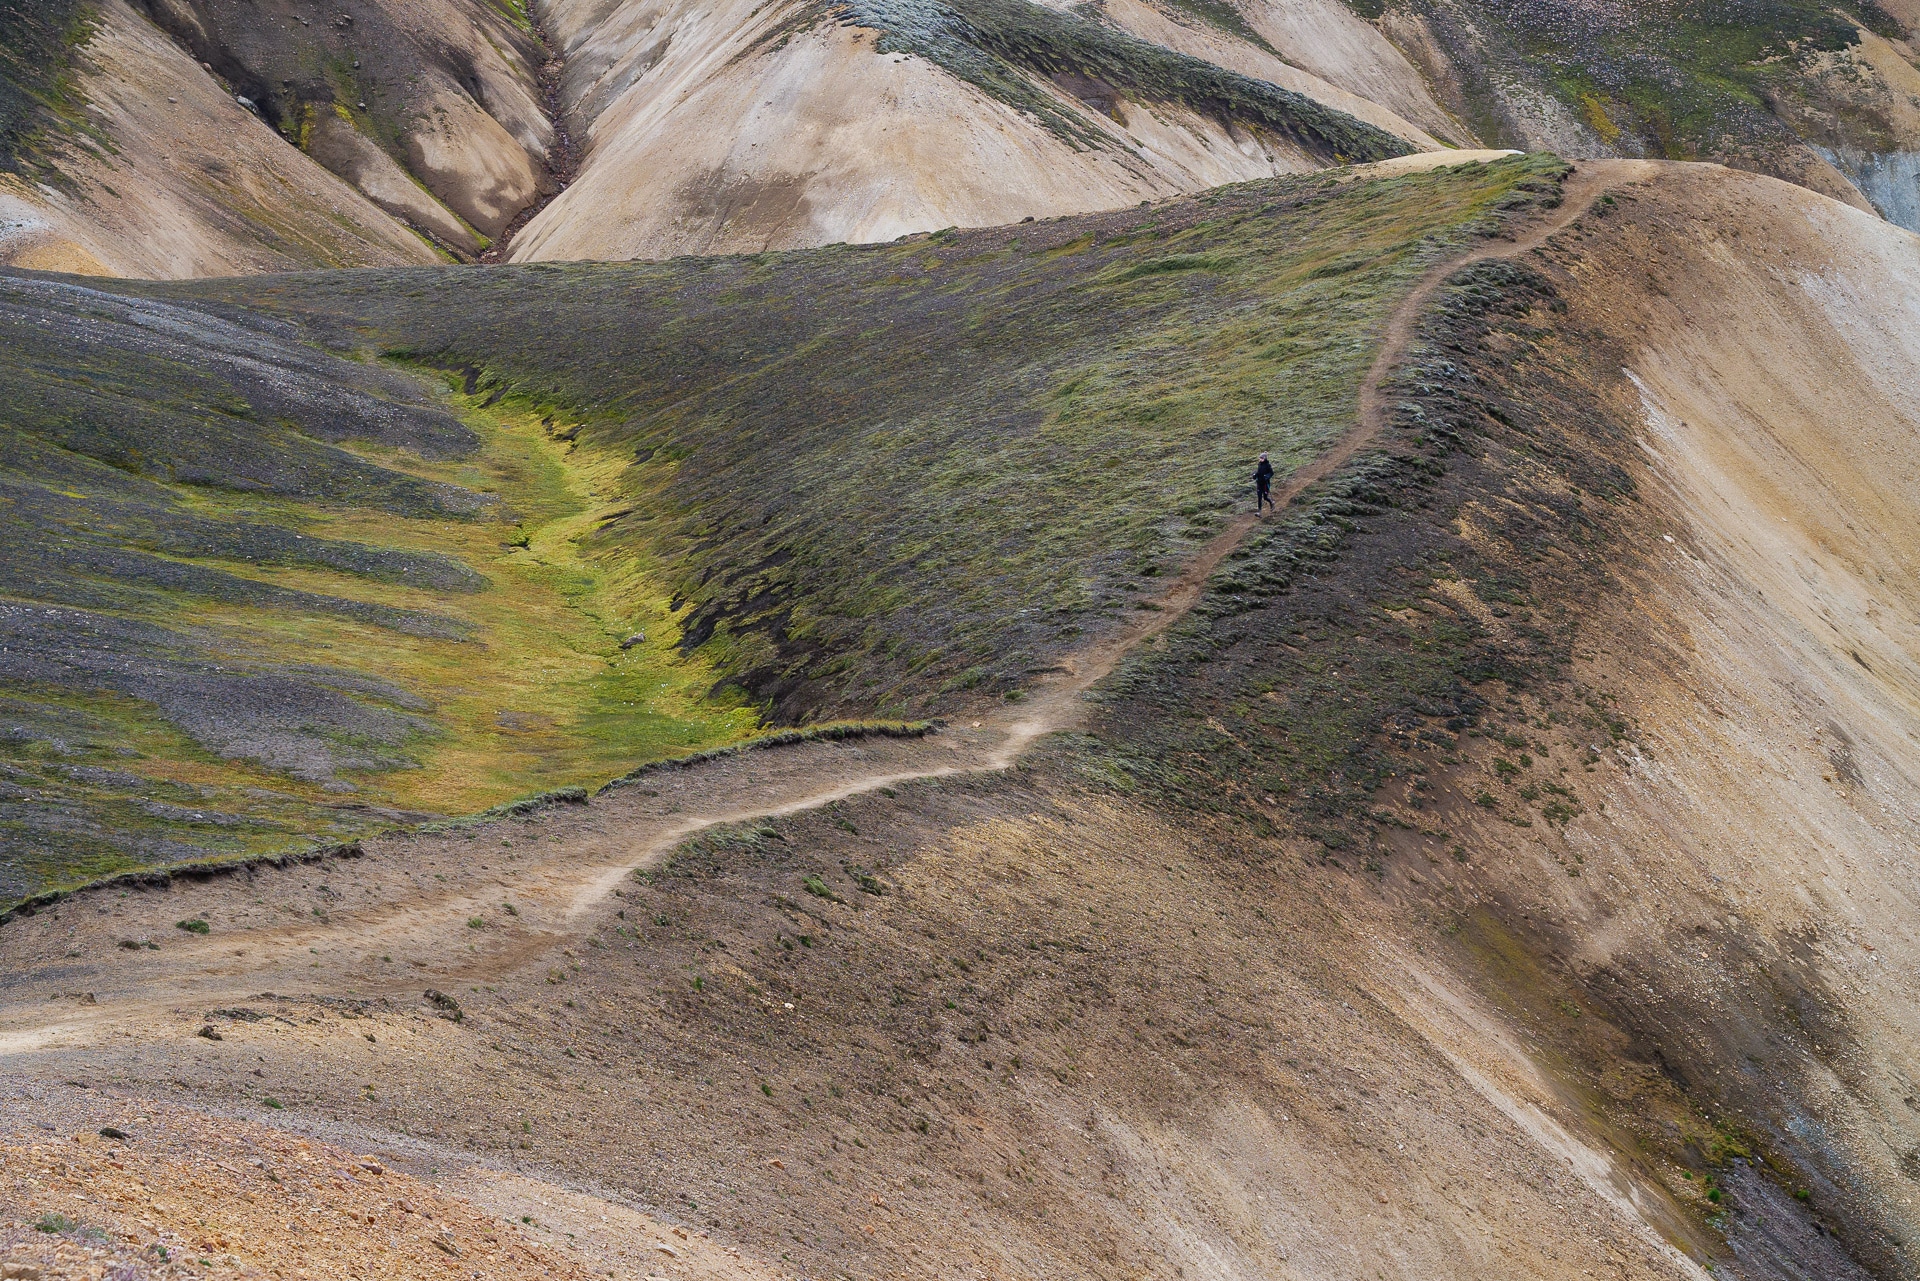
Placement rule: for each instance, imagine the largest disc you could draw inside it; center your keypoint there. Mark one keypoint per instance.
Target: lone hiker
(1263, 485)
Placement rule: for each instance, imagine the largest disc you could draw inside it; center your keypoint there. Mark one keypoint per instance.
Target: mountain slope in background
(1820, 95)
(753, 127)
(141, 164)
(432, 108)
(650, 128)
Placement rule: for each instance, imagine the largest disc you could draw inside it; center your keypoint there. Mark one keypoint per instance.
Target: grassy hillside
(880, 477)
(257, 595)
(252, 597)
(1657, 78)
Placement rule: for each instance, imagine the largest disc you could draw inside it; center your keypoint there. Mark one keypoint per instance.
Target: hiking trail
(399, 915)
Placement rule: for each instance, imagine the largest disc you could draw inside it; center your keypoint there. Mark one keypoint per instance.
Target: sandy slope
(1771, 658)
(194, 184)
(709, 136)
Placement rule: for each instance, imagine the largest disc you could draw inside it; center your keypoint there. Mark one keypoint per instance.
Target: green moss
(876, 479)
(1006, 47)
(516, 12)
(38, 40)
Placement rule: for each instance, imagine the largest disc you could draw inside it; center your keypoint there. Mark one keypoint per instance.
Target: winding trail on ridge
(402, 921)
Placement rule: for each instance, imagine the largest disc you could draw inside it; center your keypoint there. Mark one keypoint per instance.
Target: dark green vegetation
(880, 477)
(1651, 77)
(38, 39)
(1001, 45)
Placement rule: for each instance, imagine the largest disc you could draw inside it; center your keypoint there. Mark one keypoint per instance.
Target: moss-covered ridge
(881, 479)
(256, 596)
(1006, 46)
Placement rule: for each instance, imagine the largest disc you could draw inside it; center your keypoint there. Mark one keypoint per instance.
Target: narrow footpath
(395, 919)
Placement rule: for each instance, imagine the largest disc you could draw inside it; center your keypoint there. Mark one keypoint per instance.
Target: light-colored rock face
(1326, 39)
(195, 185)
(823, 139)
(467, 159)
(1316, 48)
(716, 128)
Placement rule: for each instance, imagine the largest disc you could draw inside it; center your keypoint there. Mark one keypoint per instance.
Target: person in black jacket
(1263, 484)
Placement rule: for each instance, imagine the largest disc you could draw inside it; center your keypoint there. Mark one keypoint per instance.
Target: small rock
(638, 638)
(110, 1132)
(19, 1272)
(207, 1030)
(448, 1007)
(667, 1250)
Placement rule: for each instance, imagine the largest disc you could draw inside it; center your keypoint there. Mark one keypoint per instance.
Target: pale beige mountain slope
(1747, 880)
(1319, 48)
(717, 128)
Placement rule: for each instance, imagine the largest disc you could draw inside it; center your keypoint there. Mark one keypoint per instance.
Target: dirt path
(398, 919)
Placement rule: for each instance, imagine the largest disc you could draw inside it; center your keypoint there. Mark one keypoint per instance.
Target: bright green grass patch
(543, 695)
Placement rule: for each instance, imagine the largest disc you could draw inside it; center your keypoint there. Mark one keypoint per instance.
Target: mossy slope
(257, 595)
(253, 597)
(878, 477)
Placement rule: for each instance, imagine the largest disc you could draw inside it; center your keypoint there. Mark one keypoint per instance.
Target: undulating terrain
(1494, 863)
(329, 595)
(190, 138)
